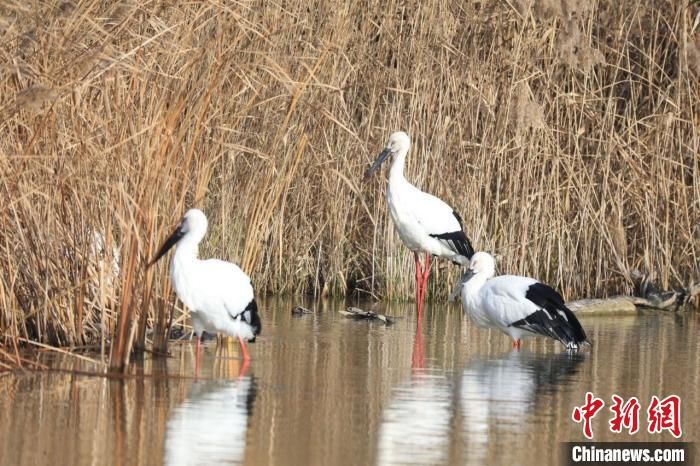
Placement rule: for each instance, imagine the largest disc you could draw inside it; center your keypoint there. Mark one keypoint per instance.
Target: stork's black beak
(468, 275)
(174, 237)
(378, 163)
(458, 287)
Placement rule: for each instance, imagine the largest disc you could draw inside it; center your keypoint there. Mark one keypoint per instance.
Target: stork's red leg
(426, 273)
(244, 350)
(419, 282)
(516, 344)
(246, 357)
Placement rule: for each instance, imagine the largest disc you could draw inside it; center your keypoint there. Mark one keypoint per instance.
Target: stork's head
(194, 223)
(193, 226)
(399, 142)
(482, 264)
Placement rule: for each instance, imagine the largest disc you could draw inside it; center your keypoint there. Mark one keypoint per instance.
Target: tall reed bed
(565, 133)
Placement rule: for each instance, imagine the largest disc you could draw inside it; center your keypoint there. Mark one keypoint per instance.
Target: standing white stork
(518, 306)
(424, 222)
(218, 293)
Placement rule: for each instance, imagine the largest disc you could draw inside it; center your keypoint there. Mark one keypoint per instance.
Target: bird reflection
(498, 395)
(209, 427)
(416, 423)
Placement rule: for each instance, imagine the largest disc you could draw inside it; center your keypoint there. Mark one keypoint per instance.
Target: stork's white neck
(396, 172)
(187, 250)
(471, 288)
(183, 268)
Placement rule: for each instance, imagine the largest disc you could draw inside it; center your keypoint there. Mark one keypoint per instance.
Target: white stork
(218, 293)
(424, 222)
(518, 306)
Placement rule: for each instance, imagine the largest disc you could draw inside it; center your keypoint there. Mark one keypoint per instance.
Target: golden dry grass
(566, 134)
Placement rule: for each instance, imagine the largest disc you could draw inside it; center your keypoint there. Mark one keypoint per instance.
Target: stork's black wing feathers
(553, 319)
(251, 317)
(457, 240)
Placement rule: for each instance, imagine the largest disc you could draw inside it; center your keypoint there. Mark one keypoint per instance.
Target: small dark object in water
(298, 311)
(179, 333)
(359, 314)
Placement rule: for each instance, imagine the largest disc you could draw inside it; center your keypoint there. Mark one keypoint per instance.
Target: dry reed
(565, 133)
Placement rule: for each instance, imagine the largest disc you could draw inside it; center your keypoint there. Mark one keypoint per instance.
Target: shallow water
(324, 389)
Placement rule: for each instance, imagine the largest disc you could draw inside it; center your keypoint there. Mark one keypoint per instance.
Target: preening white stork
(424, 222)
(518, 306)
(218, 294)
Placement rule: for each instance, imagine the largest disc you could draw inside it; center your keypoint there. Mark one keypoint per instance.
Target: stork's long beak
(174, 237)
(378, 163)
(467, 275)
(458, 287)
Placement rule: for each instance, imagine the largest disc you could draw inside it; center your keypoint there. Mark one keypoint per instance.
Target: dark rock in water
(179, 333)
(300, 311)
(359, 314)
(646, 296)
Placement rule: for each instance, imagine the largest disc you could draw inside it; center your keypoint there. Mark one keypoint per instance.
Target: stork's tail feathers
(573, 337)
(252, 318)
(458, 242)
(560, 324)
(553, 319)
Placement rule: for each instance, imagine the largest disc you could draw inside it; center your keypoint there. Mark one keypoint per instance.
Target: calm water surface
(323, 389)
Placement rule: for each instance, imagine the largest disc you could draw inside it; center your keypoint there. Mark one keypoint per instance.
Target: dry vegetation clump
(565, 133)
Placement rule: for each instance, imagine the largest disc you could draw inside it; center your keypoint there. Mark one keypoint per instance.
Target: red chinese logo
(665, 415)
(587, 412)
(626, 415)
(661, 415)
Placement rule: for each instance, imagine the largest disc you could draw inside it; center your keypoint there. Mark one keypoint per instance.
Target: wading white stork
(424, 222)
(518, 306)
(218, 293)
